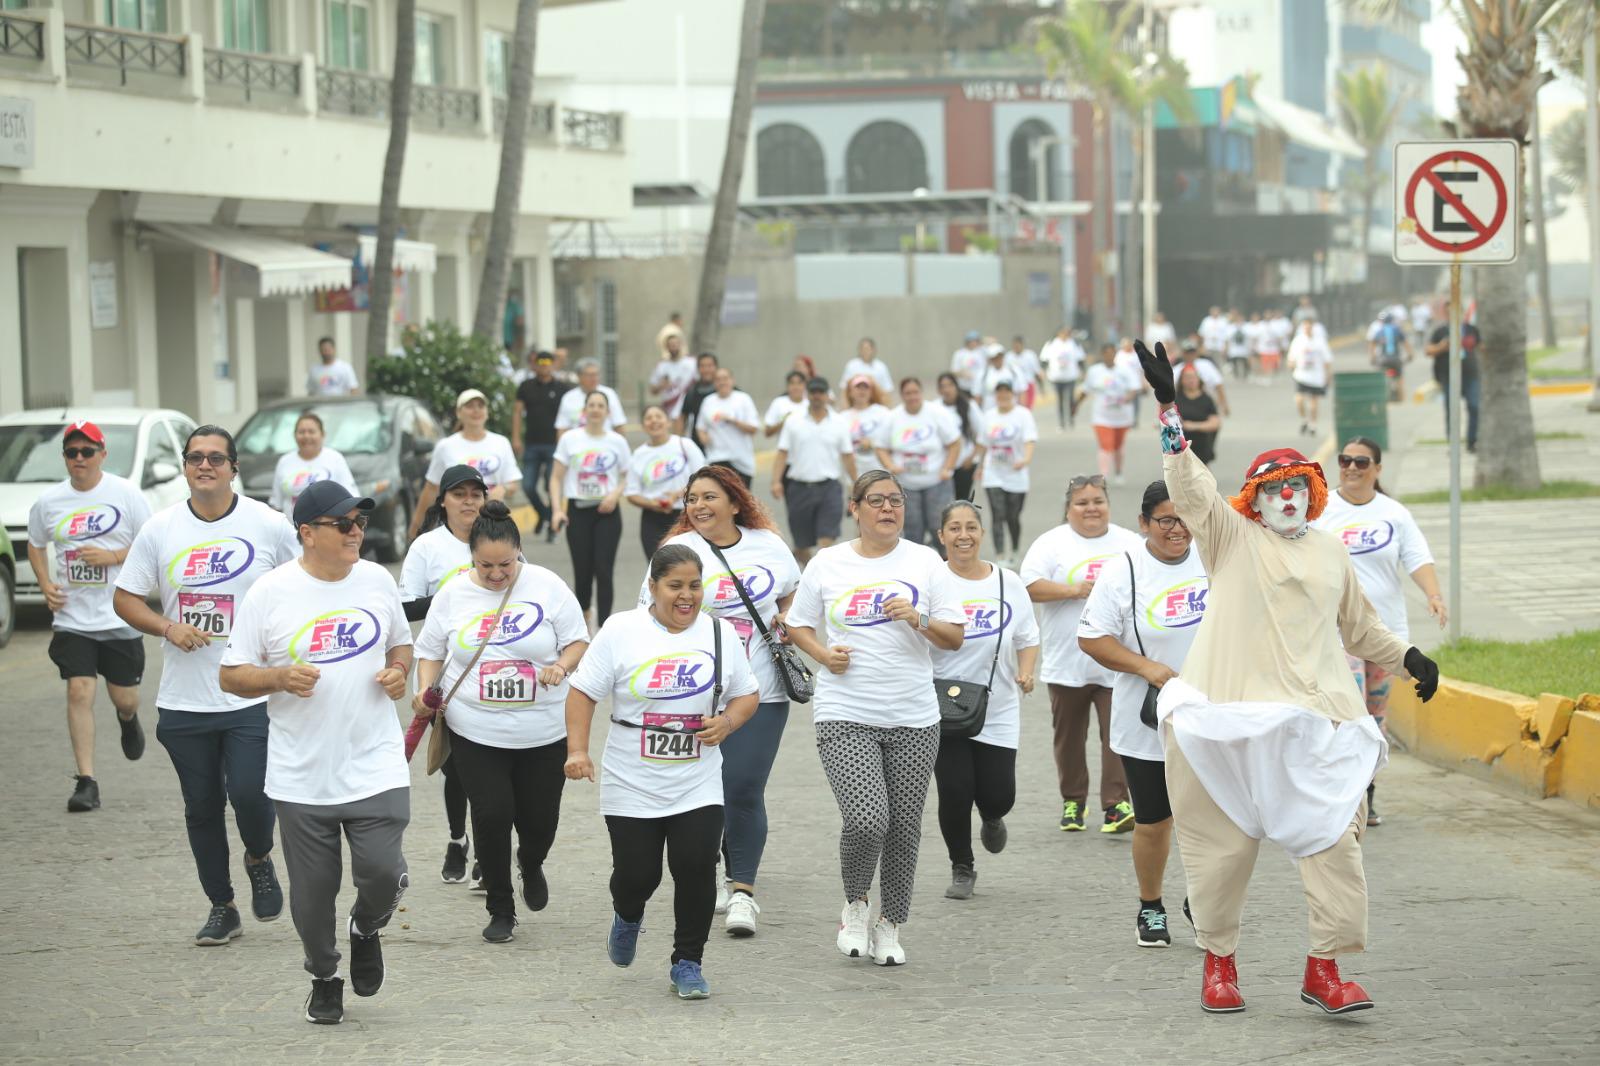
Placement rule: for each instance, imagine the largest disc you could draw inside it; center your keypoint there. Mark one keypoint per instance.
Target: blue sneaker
(623, 942)
(687, 980)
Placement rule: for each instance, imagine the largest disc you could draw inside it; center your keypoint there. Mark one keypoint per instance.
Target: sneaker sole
(1223, 1010)
(1124, 826)
(741, 932)
(852, 953)
(1072, 829)
(1306, 997)
(692, 993)
(508, 938)
(323, 1021)
(452, 880)
(274, 916)
(81, 808)
(1142, 942)
(888, 962)
(211, 942)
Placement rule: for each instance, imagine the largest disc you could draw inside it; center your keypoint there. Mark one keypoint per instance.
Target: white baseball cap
(468, 395)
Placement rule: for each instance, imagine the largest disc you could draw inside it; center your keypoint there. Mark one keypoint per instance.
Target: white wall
(1223, 39)
(835, 123)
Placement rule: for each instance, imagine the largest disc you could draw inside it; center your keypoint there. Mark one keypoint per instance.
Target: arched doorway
(789, 162)
(885, 156)
(1024, 174)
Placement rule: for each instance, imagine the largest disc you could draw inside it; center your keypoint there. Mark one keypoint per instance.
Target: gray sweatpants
(922, 512)
(311, 850)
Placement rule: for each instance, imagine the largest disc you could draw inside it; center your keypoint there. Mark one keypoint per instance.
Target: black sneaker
(325, 1004)
(222, 925)
(86, 796)
(475, 882)
(1072, 817)
(1152, 925)
(455, 864)
(366, 962)
(535, 889)
(500, 929)
(132, 736)
(266, 895)
(1187, 916)
(963, 879)
(1373, 818)
(993, 835)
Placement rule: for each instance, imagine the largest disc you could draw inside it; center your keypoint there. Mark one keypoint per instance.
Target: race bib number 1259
(80, 572)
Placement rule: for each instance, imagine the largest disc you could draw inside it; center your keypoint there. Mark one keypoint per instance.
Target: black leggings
(653, 528)
(455, 798)
(692, 840)
(1066, 403)
(592, 538)
(1006, 507)
(970, 773)
(509, 787)
(963, 482)
(1147, 789)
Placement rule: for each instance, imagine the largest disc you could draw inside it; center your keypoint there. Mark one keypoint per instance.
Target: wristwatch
(922, 619)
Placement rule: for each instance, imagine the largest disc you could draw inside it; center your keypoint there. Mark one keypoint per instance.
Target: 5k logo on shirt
(986, 618)
(673, 677)
(210, 562)
(88, 522)
(863, 605)
(757, 581)
(1087, 569)
(521, 618)
(1180, 606)
(1361, 539)
(335, 636)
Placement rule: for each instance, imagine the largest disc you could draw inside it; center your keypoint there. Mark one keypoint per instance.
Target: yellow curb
(1325, 450)
(1563, 388)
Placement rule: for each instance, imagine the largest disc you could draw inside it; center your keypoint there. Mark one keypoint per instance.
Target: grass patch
(1560, 434)
(1567, 665)
(1542, 352)
(1547, 373)
(1550, 490)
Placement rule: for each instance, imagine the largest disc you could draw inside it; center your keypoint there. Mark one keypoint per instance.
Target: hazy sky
(1444, 39)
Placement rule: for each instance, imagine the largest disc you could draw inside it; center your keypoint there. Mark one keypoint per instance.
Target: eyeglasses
(878, 499)
(1082, 480)
(1360, 462)
(216, 459)
(343, 525)
(1298, 483)
(1167, 523)
(79, 453)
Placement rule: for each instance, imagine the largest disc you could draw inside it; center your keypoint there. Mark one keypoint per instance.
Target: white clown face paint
(1283, 505)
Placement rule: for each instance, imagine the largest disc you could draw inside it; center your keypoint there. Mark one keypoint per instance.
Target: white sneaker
(886, 949)
(742, 911)
(722, 896)
(853, 939)
(1118, 479)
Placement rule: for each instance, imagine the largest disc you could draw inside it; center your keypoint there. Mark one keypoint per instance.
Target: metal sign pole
(1453, 431)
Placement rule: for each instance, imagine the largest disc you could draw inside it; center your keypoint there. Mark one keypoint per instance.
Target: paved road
(1483, 939)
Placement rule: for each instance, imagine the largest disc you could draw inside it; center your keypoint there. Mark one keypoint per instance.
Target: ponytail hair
(494, 523)
(963, 408)
(1377, 456)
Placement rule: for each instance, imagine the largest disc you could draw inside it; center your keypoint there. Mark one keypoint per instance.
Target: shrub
(439, 361)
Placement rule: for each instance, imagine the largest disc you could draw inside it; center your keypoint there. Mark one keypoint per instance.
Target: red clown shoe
(1324, 989)
(1219, 991)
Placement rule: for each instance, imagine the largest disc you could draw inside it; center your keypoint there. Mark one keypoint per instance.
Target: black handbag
(1147, 710)
(964, 705)
(797, 679)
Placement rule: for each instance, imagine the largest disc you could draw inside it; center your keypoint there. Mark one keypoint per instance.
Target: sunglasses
(1360, 462)
(1097, 480)
(343, 525)
(214, 459)
(79, 453)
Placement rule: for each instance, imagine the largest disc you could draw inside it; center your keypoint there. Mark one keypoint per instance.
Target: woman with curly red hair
(737, 540)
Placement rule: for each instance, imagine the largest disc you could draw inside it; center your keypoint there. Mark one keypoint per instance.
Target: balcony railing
(541, 118)
(21, 36)
(448, 109)
(598, 130)
(350, 92)
(256, 75)
(128, 52)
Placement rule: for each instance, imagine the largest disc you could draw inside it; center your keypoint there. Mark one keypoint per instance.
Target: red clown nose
(1287, 493)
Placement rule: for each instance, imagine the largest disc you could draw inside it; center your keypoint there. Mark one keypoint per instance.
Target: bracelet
(404, 670)
(164, 632)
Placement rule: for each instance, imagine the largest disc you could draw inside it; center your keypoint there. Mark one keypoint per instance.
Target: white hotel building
(184, 183)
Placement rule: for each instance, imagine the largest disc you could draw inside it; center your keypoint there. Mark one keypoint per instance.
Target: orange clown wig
(1275, 466)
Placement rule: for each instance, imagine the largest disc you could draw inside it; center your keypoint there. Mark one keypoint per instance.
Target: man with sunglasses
(325, 641)
(79, 533)
(202, 555)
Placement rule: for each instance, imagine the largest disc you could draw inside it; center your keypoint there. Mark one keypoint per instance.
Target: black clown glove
(1157, 371)
(1425, 672)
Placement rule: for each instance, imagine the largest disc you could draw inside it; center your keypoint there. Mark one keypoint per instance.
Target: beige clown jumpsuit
(1275, 614)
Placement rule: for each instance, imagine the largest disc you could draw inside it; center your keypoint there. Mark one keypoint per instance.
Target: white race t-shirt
(1113, 389)
(108, 516)
(1063, 359)
(293, 474)
(877, 370)
(1309, 359)
(865, 424)
(1214, 333)
(1160, 332)
(1060, 555)
(502, 703)
(343, 742)
(987, 620)
(676, 375)
(841, 596)
(337, 378)
(766, 567)
(203, 571)
(569, 415)
(813, 448)
(658, 471)
(434, 560)
(977, 422)
(966, 364)
(1384, 542)
(595, 465)
(491, 457)
(726, 442)
(917, 443)
(1007, 435)
(779, 410)
(656, 677)
(1172, 600)
(1210, 376)
(1010, 370)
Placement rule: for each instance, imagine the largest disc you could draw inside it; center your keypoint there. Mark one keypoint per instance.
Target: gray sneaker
(222, 925)
(963, 879)
(993, 835)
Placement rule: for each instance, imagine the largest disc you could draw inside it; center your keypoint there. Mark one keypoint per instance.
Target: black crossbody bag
(716, 689)
(1147, 710)
(964, 705)
(797, 678)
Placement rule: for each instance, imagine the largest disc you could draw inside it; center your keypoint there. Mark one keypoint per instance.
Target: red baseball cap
(85, 429)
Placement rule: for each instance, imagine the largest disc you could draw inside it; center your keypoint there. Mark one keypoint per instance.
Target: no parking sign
(1457, 201)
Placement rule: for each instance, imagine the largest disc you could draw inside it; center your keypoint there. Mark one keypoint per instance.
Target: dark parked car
(387, 440)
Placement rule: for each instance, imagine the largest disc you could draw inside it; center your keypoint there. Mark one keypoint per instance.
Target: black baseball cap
(323, 498)
(818, 385)
(461, 474)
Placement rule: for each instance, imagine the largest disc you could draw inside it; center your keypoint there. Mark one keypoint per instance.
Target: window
(497, 62)
(348, 36)
(247, 25)
(147, 15)
(1024, 179)
(431, 50)
(789, 162)
(885, 157)
(160, 448)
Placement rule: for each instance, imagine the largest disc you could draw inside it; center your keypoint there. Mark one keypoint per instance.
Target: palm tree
(380, 284)
(508, 187)
(707, 325)
(1369, 112)
(1164, 82)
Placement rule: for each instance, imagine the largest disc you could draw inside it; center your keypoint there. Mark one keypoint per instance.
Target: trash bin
(1360, 406)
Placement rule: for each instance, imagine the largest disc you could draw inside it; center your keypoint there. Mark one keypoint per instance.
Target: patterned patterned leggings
(879, 776)
(1373, 682)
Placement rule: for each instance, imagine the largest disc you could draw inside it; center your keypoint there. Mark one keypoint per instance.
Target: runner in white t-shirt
(966, 363)
(791, 402)
(1030, 369)
(311, 461)
(967, 417)
(1060, 569)
(866, 362)
(670, 380)
(866, 416)
(1210, 377)
(203, 555)
(507, 716)
(919, 444)
(999, 651)
(79, 532)
(1116, 391)
(587, 480)
(472, 445)
(1063, 357)
(658, 472)
(1309, 363)
(331, 376)
(569, 413)
(679, 686)
(324, 638)
(1214, 335)
(814, 463)
(1139, 622)
(1009, 438)
(727, 427)
(870, 611)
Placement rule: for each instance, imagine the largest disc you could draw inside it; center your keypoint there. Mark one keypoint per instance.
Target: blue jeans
(1470, 392)
(537, 459)
(747, 758)
(221, 758)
